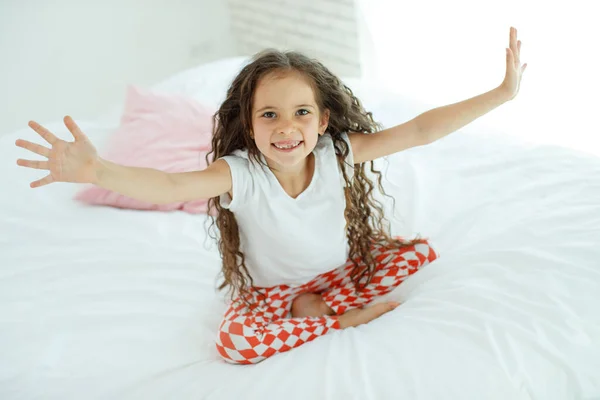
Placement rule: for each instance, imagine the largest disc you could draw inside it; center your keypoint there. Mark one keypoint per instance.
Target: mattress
(105, 303)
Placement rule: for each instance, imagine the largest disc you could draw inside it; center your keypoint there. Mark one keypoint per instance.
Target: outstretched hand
(67, 161)
(514, 69)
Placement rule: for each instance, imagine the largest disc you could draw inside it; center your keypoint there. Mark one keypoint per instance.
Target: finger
(43, 132)
(33, 164)
(41, 182)
(36, 148)
(513, 45)
(74, 129)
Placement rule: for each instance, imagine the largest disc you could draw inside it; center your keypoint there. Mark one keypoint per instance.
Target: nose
(285, 126)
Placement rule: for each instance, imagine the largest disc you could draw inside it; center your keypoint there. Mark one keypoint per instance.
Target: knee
(234, 356)
(236, 345)
(425, 252)
(416, 253)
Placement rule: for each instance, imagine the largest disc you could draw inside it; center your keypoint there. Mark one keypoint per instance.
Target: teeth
(287, 146)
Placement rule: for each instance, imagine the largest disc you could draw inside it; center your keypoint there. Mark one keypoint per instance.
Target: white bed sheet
(102, 303)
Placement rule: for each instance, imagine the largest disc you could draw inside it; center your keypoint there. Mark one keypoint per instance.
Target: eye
(302, 111)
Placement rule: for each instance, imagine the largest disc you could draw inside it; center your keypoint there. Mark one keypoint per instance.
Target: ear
(324, 122)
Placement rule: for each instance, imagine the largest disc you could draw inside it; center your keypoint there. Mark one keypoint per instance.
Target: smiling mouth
(287, 145)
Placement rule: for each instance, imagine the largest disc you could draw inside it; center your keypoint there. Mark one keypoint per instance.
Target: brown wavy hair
(232, 124)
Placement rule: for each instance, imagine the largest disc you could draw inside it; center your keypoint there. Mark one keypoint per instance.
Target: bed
(107, 303)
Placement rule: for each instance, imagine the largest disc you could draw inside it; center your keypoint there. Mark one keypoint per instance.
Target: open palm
(67, 161)
(514, 69)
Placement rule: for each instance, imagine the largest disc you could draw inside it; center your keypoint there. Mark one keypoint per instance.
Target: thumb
(508, 55)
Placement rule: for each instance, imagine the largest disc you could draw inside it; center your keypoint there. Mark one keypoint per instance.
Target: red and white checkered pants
(249, 335)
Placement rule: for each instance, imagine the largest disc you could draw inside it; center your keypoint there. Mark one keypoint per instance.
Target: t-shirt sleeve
(240, 182)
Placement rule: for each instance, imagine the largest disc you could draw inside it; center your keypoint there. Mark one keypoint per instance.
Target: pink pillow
(167, 132)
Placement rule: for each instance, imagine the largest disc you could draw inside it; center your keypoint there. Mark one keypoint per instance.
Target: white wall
(55, 53)
(76, 57)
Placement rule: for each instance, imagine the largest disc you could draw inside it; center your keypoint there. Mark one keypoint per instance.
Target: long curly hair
(232, 124)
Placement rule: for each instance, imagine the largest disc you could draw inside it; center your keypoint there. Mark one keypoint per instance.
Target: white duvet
(102, 303)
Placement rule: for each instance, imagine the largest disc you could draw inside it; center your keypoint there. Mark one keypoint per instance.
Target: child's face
(285, 119)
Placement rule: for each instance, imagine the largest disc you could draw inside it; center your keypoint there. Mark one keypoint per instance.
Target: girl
(304, 243)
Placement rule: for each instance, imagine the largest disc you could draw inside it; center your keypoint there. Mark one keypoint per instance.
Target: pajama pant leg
(393, 266)
(249, 335)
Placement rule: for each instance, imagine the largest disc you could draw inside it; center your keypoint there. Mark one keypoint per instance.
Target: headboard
(323, 29)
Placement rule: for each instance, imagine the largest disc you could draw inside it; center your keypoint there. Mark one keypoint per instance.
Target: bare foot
(359, 316)
(310, 305)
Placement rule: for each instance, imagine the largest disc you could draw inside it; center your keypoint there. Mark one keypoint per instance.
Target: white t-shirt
(289, 241)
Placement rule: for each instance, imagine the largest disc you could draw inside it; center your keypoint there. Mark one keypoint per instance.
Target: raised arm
(210, 182)
(78, 162)
(441, 121)
(424, 128)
